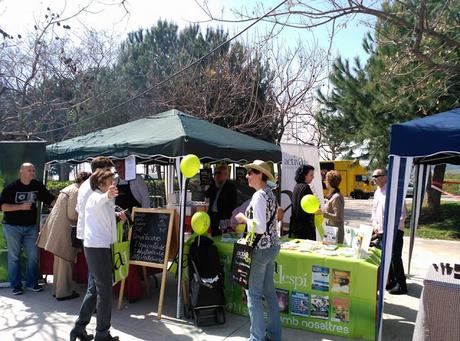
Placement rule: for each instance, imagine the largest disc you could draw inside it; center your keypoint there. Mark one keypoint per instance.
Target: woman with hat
(302, 224)
(261, 215)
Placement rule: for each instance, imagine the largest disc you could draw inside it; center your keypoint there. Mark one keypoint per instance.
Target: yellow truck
(356, 182)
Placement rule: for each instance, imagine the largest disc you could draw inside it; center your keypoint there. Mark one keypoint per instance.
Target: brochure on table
(320, 288)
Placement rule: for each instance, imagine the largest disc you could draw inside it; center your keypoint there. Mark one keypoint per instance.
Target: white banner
(295, 155)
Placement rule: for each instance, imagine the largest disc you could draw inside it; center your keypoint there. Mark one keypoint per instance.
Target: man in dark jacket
(222, 199)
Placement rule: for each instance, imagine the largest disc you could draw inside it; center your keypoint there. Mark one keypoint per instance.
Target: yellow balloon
(309, 203)
(319, 219)
(190, 165)
(240, 228)
(200, 222)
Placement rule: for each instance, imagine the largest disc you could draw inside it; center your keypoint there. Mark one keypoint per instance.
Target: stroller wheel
(220, 315)
(196, 317)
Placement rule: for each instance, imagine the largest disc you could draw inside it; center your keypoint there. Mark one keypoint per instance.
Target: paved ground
(38, 316)
(357, 211)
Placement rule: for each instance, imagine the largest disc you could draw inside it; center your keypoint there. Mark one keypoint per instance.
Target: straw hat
(262, 167)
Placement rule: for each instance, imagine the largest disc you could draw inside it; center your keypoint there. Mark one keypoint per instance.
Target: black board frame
(163, 266)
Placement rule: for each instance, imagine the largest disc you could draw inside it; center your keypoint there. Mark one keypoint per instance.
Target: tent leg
(181, 243)
(415, 208)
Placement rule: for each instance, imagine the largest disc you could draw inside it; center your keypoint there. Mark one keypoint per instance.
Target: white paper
(366, 232)
(350, 235)
(330, 234)
(130, 168)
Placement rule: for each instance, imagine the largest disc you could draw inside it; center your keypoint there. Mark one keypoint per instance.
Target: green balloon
(200, 222)
(309, 203)
(190, 165)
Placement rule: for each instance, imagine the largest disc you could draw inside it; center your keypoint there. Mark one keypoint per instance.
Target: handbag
(242, 255)
(77, 243)
(241, 259)
(120, 256)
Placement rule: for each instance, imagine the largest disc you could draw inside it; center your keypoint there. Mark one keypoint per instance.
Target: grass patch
(452, 188)
(444, 225)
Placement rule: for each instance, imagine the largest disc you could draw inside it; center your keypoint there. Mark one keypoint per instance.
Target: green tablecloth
(325, 294)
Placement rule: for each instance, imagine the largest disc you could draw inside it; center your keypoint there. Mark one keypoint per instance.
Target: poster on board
(293, 156)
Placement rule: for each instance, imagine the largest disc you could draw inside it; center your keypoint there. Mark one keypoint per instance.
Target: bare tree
(49, 76)
(304, 14)
(298, 72)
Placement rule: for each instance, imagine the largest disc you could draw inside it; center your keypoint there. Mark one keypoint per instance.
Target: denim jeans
(261, 284)
(17, 236)
(99, 293)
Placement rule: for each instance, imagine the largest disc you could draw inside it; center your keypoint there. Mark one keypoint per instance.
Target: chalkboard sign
(206, 177)
(149, 236)
(150, 239)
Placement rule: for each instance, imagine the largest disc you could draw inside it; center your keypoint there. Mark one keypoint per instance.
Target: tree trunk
(158, 169)
(434, 196)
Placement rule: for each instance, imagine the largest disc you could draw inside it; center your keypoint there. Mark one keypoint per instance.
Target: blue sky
(18, 16)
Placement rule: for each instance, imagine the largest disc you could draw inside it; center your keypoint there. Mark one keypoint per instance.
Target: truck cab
(356, 182)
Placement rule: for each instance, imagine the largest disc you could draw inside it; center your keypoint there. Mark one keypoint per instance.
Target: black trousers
(100, 295)
(396, 273)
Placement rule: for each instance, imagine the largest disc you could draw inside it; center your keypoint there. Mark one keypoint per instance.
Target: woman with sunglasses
(261, 214)
(302, 224)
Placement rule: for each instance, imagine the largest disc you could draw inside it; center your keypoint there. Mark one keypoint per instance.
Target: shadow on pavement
(38, 316)
(400, 319)
(414, 290)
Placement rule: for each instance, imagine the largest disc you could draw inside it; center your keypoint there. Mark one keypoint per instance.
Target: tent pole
(415, 207)
(420, 181)
(183, 189)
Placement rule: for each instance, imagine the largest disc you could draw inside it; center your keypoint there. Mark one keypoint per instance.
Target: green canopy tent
(166, 138)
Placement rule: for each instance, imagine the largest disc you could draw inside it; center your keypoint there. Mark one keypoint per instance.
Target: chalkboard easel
(150, 242)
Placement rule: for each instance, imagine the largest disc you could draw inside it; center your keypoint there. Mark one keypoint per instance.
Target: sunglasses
(253, 171)
(377, 176)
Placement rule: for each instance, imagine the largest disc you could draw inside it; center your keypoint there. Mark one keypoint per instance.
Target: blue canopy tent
(415, 144)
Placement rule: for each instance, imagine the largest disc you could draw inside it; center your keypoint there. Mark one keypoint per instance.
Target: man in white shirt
(396, 277)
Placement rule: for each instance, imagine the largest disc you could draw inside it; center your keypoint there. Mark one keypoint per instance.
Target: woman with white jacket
(100, 233)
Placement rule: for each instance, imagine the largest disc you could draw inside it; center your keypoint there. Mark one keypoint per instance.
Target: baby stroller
(206, 284)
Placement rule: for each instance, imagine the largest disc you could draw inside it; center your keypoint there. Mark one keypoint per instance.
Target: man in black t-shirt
(18, 201)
